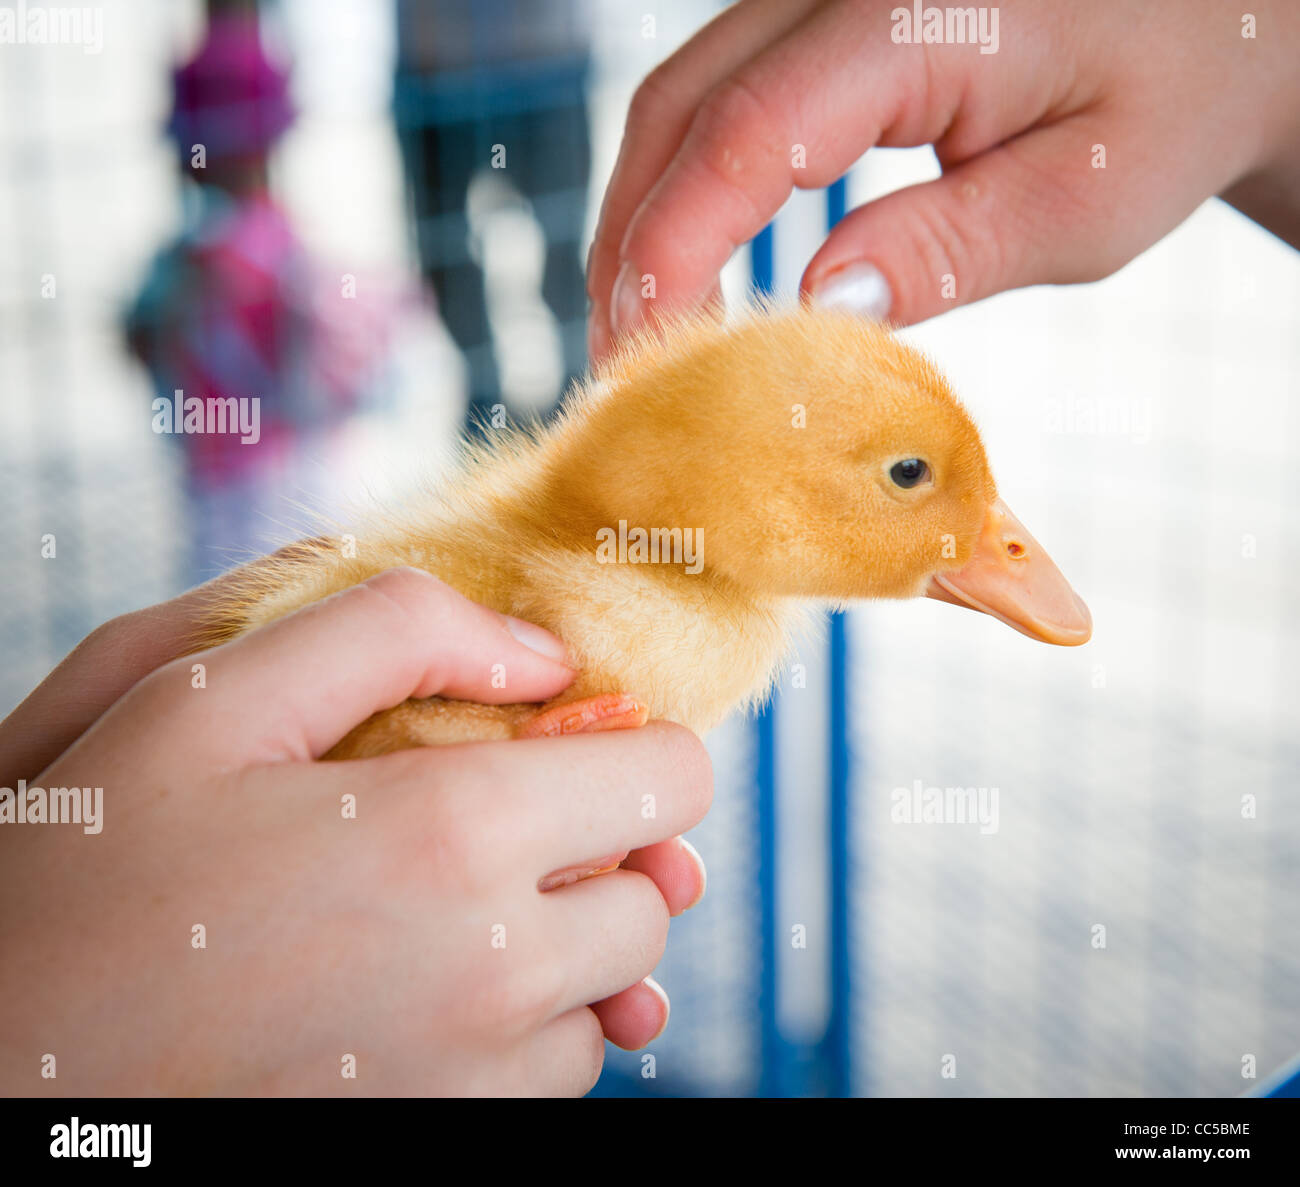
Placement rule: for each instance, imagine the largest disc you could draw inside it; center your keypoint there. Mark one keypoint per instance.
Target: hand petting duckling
(709, 486)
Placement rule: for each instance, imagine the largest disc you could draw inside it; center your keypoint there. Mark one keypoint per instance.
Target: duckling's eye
(909, 472)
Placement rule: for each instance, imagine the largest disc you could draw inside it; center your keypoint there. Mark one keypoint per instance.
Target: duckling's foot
(591, 715)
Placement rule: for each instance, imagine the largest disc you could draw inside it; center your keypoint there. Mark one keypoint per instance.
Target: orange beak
(1011, 577)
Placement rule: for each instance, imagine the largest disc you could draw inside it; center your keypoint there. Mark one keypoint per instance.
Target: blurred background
(384, 240)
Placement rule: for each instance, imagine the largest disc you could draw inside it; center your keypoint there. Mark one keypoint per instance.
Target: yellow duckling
(707, 487)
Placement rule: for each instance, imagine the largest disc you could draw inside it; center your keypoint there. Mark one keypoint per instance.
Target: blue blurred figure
(496, 84)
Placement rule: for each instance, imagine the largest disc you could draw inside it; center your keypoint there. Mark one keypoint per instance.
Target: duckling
(694, 499)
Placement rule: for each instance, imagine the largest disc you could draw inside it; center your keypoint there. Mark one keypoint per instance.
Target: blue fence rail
(788, 1068)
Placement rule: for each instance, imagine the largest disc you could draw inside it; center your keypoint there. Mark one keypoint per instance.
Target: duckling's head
(816, 455)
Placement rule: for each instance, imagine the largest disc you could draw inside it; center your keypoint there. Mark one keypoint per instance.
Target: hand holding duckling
(459, 977)
(809, 457)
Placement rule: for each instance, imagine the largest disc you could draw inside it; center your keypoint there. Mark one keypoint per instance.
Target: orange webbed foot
(591, 715)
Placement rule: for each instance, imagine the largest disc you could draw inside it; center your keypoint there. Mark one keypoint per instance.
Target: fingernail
(694, 855)
(626, 304)
(859, 288)
(563, 878)
(574, 874)
(651, 984)
(537, 639)
(606, 865)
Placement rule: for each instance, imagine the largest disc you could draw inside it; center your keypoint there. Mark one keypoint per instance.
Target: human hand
(326, 935)
(1183, 105)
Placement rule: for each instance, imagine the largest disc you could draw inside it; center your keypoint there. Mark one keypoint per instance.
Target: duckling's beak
(1011, 577)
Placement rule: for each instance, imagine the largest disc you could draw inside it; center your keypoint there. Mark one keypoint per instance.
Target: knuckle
(691, 768)
(968, 249)
(461, 846)
(415, 600)
(517, 1006)
(732, 132)
(108, 633)
(652, 98)
(647, 919)
(1052, 208)
(410, 588)
(591, 1051)
(511, 992)
(107, 643)
(733, 112)
(164, 692)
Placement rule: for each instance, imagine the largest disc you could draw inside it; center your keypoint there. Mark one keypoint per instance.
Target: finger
(292, 689)
(657, 120)
(636, 1017)
(105, 665)
(798, 113)
(1032, 211)
(587, 798)
(564, 1058)
(561, 803)
(100, 669)
(676, 868)
(606, 933)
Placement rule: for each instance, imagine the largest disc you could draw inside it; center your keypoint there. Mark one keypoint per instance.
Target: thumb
(1032, 211)
(293, 688)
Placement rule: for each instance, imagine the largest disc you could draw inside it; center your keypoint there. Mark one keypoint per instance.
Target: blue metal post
(773, 1055)
(837, 201)
(835, 1054)
(839, 1048)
